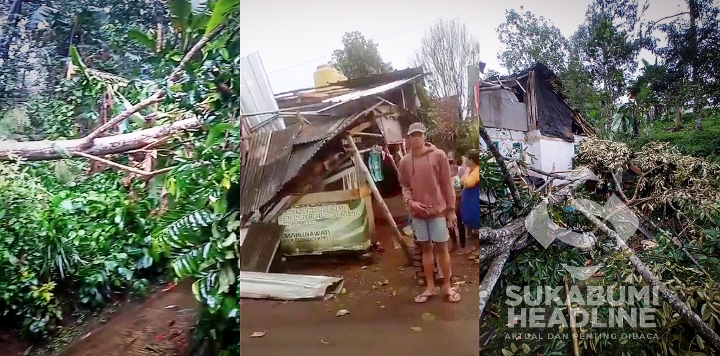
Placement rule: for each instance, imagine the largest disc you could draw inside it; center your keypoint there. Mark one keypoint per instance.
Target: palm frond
(174, 234)
(40, 18)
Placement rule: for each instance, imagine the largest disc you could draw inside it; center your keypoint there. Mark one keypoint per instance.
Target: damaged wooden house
(527, 112)
(315, 182)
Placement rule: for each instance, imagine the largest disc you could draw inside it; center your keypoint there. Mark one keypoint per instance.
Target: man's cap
(416, 127)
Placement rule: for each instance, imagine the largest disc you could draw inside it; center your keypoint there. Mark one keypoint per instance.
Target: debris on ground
(258, 334)
(342, 312)
(427, 316)
(279, 286)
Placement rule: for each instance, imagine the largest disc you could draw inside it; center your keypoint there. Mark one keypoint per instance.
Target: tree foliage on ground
(675, 194)
(446, 49)
(94, 234)
(359, 57)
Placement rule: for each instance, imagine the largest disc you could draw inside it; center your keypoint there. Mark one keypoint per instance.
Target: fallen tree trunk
(685, 312)
(497, 252)
(94, 144)
(496, 245)
(101, 146)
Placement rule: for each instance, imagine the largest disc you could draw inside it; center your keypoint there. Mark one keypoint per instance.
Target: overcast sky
(294, 37)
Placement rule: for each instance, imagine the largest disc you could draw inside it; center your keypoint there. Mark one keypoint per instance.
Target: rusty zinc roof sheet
(264, 167)
(318, 129)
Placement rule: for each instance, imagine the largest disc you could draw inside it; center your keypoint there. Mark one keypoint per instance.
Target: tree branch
(159, 95)
(500, 162)
(124, 167)
(652, 24)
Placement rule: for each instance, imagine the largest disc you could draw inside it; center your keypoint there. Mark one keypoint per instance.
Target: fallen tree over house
(674, 195)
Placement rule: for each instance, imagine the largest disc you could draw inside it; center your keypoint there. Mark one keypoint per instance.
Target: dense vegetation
(77, 234)
(660, 126)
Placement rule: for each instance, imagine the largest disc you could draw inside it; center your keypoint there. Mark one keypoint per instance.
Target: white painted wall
(557, 155)
(506, 138)
(547, 152)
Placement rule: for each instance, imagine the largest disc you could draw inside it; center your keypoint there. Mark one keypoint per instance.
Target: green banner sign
(314, 229)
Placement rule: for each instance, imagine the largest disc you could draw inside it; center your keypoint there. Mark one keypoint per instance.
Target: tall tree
(529, 39)
(359, 57)
(603, 57)
(577, 79)
(611, 50)
(446, 50)
(692, 52)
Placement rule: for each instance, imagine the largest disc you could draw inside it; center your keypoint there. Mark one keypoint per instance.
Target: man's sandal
(453, 296)
(422, 298)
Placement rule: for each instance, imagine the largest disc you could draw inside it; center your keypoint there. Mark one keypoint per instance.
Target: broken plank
(260, 246)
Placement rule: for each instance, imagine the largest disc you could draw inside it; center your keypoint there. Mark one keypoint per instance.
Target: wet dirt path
(395, 338)
(158, 326)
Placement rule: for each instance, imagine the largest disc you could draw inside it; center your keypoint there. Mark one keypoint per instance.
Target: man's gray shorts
(434, 229)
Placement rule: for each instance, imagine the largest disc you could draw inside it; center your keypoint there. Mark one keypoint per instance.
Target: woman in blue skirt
(470, 202)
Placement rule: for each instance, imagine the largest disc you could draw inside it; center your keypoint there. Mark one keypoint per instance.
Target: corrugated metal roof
(368, 92)
(301, 154)
(304, 152)
(340, 92)
(287, 286)
(263, 168)
(318, 129)
(276, 157)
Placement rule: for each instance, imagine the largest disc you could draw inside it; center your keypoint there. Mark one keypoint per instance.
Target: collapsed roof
(271, 159)
(552, 114)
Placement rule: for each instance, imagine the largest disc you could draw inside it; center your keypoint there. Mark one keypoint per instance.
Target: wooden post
(376, 193)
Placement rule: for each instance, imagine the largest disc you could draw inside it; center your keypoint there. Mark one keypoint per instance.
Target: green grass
(690, 141)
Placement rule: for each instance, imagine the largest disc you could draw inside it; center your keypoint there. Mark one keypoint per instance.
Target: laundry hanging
(375, 165)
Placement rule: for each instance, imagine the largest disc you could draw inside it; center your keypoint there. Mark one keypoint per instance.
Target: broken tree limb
(158, 96)
(491, 278)
(123, 167)
(102, 146)
(685, 312)
(154, 99)
(571, 312)
(644, 231)
(496, 253)
(500, 162)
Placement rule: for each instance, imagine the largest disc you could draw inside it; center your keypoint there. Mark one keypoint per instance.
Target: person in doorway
(429, 196)
(470, 200)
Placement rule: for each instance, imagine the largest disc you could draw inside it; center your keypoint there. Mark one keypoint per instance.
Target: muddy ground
(158, 325)
(382, 319)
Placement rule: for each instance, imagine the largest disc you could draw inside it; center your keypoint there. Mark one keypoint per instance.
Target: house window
(497, 144)
(517, 146)
(577, 149)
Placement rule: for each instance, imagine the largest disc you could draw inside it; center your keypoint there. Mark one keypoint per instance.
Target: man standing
(429, 196)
